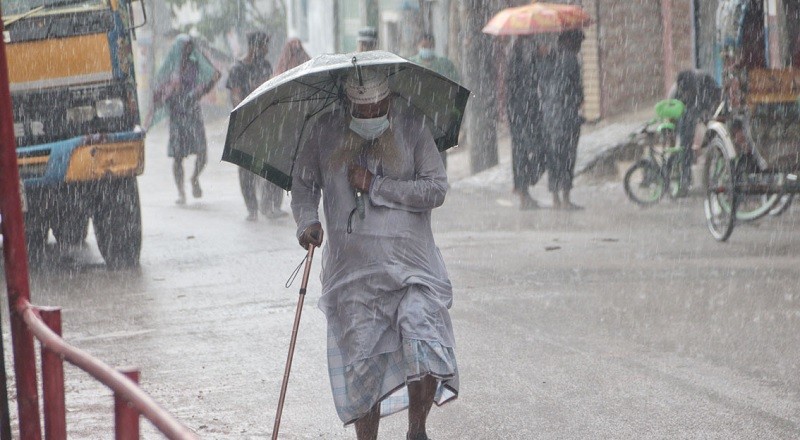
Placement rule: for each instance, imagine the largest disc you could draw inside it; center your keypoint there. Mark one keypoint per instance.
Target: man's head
(427, 41)
(367, 39)
(258, 44)
(426, 46)
(368, 92)
(186, 44)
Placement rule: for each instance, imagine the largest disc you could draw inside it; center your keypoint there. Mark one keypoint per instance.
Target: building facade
(328, 26)
(631, 55)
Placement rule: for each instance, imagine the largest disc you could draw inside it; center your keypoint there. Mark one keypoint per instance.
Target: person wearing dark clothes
(427, 57)
(700, 95)
(244, 77)
(525, 120)
(561, 94)
(184, 77)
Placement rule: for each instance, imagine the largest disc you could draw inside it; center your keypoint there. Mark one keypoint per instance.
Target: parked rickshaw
(753, 142)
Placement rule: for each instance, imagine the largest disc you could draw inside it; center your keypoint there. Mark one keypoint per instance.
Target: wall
(590, 65)
(631, 54)
(683, 42)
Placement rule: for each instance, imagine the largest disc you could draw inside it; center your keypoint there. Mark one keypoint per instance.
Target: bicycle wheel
(751, 207)
(782, 205)
(644, 183)
(721, 197)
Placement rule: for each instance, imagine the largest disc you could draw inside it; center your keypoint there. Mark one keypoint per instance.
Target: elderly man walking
(386, 292)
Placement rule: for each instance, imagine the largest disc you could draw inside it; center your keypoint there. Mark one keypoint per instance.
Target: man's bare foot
(526, 202)
(181, 198)
(557, 204)
(197, 192)
(569, 206)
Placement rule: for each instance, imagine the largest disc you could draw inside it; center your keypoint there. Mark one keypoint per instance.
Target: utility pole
(478, 67)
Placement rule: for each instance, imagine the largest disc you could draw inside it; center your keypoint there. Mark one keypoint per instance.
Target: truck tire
(117, 221)
(36, 234)
(71, 229)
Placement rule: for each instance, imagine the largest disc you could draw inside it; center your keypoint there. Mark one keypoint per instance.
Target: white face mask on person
(371, 128)
(425, 53)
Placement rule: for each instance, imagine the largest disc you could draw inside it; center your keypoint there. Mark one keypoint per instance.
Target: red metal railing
(28, 322)
(129, 398)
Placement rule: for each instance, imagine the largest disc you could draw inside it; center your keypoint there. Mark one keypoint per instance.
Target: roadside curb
(599, 148)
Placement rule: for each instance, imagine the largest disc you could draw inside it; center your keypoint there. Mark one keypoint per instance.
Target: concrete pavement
(610, 323)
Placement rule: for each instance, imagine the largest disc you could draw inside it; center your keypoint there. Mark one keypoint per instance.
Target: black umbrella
(267, 129)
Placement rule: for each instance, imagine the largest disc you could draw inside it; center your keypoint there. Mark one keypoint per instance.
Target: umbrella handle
(295, 327)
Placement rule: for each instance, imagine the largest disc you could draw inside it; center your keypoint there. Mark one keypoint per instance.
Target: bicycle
(662, 170)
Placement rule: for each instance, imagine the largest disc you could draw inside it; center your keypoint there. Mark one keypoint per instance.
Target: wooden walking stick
(292, 343)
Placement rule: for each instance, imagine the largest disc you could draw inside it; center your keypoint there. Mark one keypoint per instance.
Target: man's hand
(359, 177)
(312, 235)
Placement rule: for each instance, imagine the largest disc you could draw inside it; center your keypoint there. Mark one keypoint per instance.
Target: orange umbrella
(537, 18)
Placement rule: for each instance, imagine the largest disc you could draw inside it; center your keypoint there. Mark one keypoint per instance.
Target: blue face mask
(371, 128)
(425, 53)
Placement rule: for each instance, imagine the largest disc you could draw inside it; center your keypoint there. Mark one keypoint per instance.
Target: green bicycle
(662, 170)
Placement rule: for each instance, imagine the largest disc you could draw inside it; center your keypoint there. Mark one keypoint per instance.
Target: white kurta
(385, 289)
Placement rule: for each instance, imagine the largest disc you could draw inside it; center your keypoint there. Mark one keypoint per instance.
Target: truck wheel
(36, 233)
(118, 223)
(71, 229)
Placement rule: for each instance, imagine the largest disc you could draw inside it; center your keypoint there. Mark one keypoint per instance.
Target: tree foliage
(220, 17)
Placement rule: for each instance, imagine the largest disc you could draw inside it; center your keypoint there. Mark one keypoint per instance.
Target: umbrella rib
(317, 90)
(306, 99)
(328, 94)
(316, 86)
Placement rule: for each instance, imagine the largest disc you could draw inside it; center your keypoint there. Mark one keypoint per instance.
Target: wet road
(613, 322)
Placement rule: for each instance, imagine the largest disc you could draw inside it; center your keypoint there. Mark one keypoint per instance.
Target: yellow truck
(76, 122)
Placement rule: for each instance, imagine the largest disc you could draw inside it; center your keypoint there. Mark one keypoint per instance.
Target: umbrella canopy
(268, 128)
(537, 18)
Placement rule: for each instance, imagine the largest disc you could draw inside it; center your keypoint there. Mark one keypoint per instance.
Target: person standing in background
(561, 94)
(292, 55)
(247, 74)
(367, 39)
(528, 149)
(426, 57)
(699, 93)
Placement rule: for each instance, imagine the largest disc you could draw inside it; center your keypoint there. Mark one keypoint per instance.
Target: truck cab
(80, 146)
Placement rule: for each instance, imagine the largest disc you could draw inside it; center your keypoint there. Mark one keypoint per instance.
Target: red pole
(16, 263)
(126, 417)
(55, 414)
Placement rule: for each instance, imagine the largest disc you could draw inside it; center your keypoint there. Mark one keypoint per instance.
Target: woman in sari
(182, 80)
